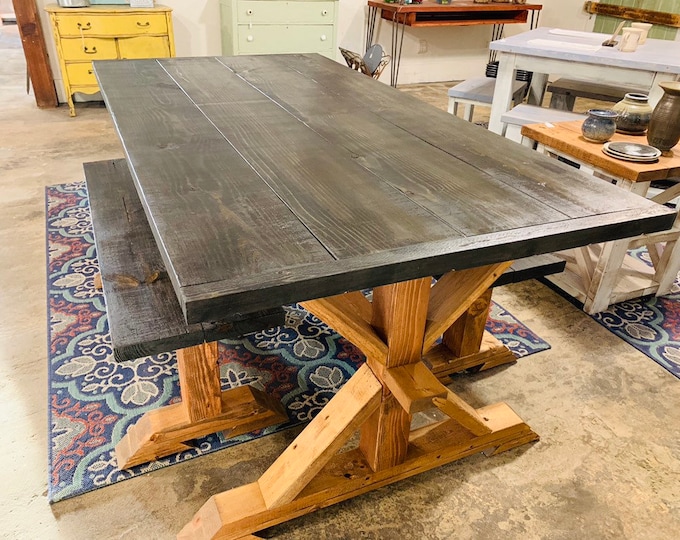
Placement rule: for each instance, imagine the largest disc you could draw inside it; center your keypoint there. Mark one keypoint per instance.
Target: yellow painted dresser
(106, 32)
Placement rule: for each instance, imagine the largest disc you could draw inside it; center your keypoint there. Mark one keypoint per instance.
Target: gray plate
(625, 157)
(633, 150)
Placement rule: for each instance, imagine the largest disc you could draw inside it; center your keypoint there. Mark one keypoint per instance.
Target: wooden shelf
(430, 14)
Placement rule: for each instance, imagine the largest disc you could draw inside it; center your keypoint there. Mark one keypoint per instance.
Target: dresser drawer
(89, 49)
(81, 74)
(292, 38)
(253, 11)
(106, 25)
(143, 47)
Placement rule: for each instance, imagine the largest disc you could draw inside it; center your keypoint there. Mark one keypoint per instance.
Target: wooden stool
(479, 91)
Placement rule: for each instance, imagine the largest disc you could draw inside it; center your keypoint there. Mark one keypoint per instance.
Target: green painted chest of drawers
(279, 26)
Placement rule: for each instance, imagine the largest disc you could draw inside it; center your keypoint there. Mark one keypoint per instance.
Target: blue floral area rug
(93, 400)
(650, 324)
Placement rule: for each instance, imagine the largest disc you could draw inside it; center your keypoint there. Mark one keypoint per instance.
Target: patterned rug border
(92, 399)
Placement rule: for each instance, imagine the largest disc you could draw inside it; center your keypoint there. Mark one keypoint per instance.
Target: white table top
(654, 55)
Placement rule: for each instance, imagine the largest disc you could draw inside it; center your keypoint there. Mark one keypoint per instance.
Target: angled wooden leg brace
(204, 409)
(403, 321)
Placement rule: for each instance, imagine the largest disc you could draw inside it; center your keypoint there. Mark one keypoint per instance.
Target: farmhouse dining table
(578, 55)
(275, 179)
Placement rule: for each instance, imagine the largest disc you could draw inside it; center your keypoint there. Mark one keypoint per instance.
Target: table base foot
(168, 430)
(491, 353)
(239, 512)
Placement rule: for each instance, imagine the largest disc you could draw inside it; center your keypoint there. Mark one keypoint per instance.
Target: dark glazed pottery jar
(664, 127)
(599, 126)
(634, 114)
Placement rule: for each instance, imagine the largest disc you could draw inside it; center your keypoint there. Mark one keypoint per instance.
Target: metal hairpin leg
(496, 34)
(370, 27)
(397, 42)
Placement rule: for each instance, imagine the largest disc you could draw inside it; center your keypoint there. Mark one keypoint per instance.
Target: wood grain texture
(35, 51)
(566, 137)
(294, 179)
(234, 513)
(144, 315)
(633, 13)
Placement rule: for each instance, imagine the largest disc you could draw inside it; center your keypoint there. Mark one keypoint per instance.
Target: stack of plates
(640, 153)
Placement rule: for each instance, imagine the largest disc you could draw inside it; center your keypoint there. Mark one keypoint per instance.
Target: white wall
(452, 53)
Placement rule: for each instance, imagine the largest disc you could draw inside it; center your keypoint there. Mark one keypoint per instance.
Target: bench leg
(468, 111)
(204, 409)
(563, 102)
(453, 107)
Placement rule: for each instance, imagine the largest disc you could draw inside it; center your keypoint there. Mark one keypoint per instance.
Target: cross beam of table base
(394, 332)
(204, 409)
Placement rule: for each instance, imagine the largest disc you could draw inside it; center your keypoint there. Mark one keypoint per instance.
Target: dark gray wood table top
(273, 179)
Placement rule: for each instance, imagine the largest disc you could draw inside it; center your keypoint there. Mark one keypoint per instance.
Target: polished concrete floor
(607, 465)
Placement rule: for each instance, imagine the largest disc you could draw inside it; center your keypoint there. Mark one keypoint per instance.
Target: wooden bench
(524, 114)
(565, 91)
(479, 91)
(145, 318)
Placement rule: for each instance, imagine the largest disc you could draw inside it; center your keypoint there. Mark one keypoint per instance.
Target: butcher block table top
(567, 137)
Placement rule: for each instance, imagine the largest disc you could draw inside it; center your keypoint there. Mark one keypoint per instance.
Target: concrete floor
(607, 465)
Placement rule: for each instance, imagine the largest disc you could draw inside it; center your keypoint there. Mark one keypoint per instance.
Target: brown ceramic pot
(664, 127)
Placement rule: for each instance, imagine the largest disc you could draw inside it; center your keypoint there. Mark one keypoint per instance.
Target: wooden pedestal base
(204, 409)
(397, 332)
(239, 512)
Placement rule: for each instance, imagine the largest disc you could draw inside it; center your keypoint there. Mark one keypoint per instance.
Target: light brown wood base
(491, 353)
(168, 430)
(204, 409)
(239, 512)
(396, 331)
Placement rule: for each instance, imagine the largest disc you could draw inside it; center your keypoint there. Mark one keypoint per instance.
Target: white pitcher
(630, 39)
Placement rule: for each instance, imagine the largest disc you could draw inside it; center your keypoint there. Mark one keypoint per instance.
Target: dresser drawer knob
(249, 11)
(86, 26)
(144, 25)
(324, 12)
(323, 37)
(250, 38)
(90, 72)
(90, 51)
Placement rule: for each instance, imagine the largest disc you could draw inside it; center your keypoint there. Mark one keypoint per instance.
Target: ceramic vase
(599, 126)
(664, 127)
(634, 114)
